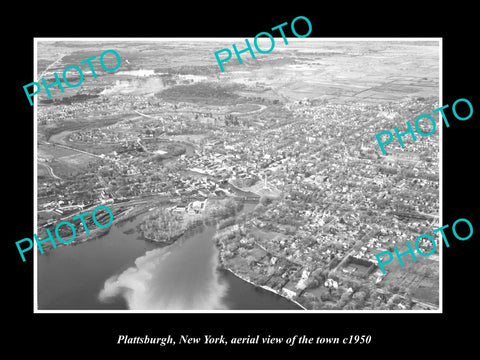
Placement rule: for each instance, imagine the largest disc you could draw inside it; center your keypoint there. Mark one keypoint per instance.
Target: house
(331, 283)
(302, 283)
(180, 209)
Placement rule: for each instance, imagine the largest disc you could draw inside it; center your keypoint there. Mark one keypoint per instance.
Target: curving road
(50, 170)
(262, 107)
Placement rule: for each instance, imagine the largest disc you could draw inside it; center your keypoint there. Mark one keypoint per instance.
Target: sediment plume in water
(160, 280)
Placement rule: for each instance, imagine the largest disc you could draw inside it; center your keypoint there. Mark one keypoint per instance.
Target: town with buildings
(326, 200)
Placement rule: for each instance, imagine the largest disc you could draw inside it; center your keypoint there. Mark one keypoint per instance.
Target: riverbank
(186, 232)
(80, 237)
(224, 267)
(122, 212)
(188, 272)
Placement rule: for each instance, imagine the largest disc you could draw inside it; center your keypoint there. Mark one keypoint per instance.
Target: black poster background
(61, 335)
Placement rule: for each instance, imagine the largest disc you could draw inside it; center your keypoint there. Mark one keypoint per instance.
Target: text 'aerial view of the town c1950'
(260, 188)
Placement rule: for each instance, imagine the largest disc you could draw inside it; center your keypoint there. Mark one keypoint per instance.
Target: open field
(348, 72)
(337, 71)
(53, 152)
(42, 171)
(64, 162)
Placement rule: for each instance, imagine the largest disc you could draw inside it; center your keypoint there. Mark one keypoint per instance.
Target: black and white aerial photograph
(258, 188)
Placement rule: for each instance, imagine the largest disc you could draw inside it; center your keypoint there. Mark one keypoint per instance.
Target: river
(120, 270)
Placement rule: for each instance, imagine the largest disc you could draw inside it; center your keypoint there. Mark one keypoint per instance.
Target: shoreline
(94, 233)
(222, 266)
(132, 212)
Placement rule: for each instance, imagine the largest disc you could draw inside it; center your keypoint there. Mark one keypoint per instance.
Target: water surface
(123, 271)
